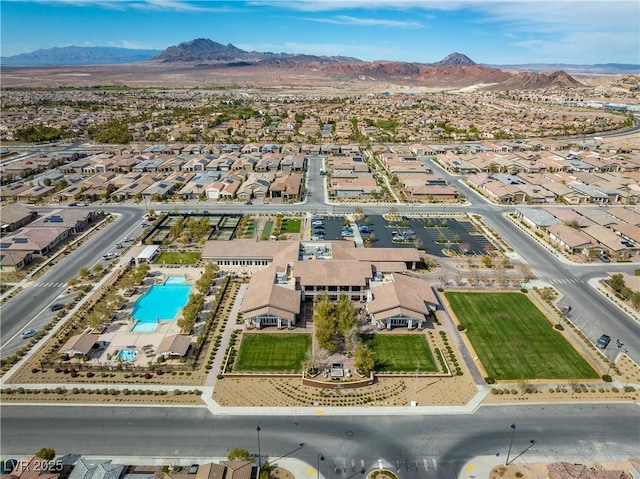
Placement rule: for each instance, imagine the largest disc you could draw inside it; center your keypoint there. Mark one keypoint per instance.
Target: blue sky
(488, 31)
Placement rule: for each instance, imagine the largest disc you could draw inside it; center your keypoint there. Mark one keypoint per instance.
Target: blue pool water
(127, 354)
(161, 302)
(175, 280)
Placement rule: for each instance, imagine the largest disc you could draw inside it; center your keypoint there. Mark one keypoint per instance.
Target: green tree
(487, 261)
(46, 453)
(364, 359)
(84, 272)
(617, 282)
(325, 323)
(238, 454)
(346, 315)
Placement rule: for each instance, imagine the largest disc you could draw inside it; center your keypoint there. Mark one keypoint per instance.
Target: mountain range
(61, 56)
(455, 70)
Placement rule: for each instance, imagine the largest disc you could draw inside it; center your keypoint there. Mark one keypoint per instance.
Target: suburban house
(15, 216)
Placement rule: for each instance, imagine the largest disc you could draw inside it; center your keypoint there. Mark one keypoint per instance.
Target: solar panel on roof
(5, 245)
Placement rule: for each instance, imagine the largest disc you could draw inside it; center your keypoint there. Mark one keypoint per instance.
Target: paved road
(419, 447)
(30, 308)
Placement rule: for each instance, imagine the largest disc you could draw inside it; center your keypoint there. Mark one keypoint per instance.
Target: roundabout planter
(382, 474)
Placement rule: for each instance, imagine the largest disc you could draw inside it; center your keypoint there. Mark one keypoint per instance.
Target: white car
(29, 333)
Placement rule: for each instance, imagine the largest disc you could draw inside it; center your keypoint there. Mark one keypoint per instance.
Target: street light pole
(320, 458)
(259, 455)
(513, 433)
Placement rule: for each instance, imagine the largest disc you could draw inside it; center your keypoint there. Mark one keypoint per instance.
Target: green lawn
(169, 257)
(272, 352)
(290, 225)
(400, 352)
(266, 231)
(514, 340)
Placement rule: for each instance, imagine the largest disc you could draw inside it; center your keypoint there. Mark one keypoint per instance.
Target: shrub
(629, 389)
(494, 390)
(489, 380)
(177, 392)
(159, 372)
(559, 327)
(461, 327)
(147, 376)
(90, 374)
(606, 378)
(34, 370)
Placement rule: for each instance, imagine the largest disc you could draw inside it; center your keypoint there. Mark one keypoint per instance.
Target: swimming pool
(161, 302)
(127, 354)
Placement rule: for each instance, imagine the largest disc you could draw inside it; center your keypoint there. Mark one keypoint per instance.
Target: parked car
(316, 223)
(29, 333)
(604, 258)
(56, 306)
(603, 341)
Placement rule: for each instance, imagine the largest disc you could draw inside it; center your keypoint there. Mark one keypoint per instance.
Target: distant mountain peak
(198, 50)
(455, 59)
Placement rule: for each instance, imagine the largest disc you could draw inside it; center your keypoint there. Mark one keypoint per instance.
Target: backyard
(400, 352)
(272, 352)
(514, 340)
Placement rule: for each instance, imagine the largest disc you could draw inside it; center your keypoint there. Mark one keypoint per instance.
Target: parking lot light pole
(320, 458)
(513, 433)
(259, 455)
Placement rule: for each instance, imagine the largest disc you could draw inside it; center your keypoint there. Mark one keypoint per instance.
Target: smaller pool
(175, 280)
(127, 355)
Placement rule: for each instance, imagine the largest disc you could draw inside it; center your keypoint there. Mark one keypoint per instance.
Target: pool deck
(118, 334)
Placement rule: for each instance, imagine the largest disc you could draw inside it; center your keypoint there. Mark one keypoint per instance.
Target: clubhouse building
(284, 274)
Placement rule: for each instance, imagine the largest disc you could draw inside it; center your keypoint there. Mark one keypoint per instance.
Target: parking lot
(459, 235)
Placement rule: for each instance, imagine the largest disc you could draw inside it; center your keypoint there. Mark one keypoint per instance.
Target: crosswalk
(565, 281)
(49, 285)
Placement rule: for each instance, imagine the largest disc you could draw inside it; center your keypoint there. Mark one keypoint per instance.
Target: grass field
(400, 352)
(272, 352)
(266, 231)
(290, 225)
(169, 257)
(514, 340)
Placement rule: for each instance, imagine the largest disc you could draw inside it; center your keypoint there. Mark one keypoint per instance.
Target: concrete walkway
(229, 327)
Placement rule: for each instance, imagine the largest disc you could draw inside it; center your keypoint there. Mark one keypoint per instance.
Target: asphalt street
(30, 308)
(417, 446)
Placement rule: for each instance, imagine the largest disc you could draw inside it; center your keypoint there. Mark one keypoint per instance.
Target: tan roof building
(175, 345)
(403, 301)
(30, 469)
(80, 343)
(269, 301)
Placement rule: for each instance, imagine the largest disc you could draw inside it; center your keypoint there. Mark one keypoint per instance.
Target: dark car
(57, 306)
(603, 341)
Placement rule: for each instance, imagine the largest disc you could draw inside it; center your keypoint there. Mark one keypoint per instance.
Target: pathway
(230, 326)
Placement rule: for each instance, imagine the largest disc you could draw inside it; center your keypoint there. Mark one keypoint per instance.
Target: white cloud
(144, 5)
(348, 20)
